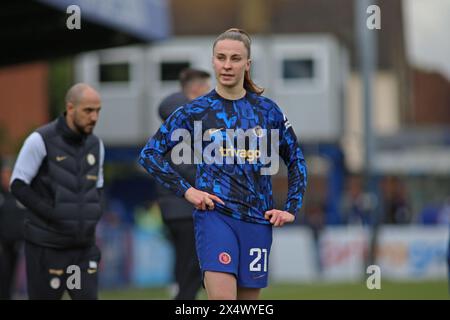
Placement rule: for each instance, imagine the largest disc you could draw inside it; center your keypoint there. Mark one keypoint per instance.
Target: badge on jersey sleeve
(224, 258)
(90, 159)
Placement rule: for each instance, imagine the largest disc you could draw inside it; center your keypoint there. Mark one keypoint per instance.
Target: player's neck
(233, 93)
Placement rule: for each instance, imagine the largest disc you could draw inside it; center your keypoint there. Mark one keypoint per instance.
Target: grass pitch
(423, 290)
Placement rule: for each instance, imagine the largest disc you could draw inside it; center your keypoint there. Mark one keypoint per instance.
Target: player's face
(86, 112)
(230, 61)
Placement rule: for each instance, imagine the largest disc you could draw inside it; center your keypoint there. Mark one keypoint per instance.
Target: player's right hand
(201, 200)
(279, 217)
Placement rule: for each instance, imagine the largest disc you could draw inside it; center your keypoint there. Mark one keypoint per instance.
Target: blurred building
(328, 160)
(430, 105)
(410, 106)
(34, 32)
(411, 114)
(23, 103)
(315, 35)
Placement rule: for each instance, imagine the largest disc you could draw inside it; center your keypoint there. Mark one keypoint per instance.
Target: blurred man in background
(11, 233)
(58, 176)
(176, 211)
(194, 83)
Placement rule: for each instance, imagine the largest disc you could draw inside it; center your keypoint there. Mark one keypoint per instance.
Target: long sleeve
(292, 156)
(152, 155)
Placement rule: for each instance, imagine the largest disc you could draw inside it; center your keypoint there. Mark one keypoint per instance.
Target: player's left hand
(278, 217)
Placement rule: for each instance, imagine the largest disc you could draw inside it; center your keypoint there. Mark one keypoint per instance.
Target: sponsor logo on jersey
(254, 145)
(57, 272)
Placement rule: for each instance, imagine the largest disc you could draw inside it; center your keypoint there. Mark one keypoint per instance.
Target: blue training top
(226, 167)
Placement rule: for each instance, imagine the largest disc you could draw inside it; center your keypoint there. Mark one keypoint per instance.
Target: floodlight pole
(367, 52)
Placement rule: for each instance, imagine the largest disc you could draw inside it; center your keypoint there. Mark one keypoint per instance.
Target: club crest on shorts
(224, 258)
(90, 159)
(55, 283)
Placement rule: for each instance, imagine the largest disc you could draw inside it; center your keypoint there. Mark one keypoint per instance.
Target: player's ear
(247, 66)
(70, 107)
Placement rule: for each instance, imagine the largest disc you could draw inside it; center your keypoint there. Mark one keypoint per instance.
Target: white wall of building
(304, 75)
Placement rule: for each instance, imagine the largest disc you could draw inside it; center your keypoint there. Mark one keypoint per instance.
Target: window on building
(298, 69)
(114, 72)
(170, 71)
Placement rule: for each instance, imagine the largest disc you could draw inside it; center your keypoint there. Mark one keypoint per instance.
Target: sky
(427, 31)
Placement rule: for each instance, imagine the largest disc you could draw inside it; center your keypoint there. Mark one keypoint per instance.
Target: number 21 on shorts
(256, 263)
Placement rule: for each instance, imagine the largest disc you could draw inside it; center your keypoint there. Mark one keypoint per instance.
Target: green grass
(434, 290)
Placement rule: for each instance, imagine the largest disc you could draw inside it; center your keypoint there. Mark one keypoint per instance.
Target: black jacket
(63, 198)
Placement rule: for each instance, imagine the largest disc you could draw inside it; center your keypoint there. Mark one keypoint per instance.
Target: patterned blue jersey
(246, 192)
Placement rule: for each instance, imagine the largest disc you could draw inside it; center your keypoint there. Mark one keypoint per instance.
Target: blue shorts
(226, 244)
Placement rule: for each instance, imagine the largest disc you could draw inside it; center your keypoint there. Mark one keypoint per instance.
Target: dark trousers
(187, 269)
(52, 271)
(9, 256)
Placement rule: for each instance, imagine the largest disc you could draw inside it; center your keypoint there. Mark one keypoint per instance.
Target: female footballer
(231, 130)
